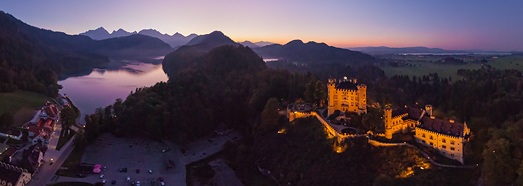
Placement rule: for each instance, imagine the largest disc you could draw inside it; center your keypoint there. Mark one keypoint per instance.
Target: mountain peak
(294, 42)
(215, 38)
(101, 29)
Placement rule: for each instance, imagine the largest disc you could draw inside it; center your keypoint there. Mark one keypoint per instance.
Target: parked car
(101, 176)
(81, 175)
(150, 171)
(123, 169)
(137, 183)
(166, 150)
(128, 178)
(113, 182)
(160, 178)
(137, 171)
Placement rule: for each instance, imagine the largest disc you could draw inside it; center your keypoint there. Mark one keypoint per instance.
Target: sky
(448, 24)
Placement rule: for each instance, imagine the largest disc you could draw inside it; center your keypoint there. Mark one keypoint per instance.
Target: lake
(102, 86)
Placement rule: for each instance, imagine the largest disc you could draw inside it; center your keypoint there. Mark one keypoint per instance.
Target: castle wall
(346, 100)
(448, 146)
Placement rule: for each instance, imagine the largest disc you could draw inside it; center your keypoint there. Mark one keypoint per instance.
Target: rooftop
(346, 85)
(442, 126)
(9, 173)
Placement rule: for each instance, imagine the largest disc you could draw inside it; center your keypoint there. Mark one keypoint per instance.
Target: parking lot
(133, 154)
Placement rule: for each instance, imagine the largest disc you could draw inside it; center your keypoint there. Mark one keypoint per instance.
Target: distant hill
(97, 34)
(181, 58)
(212, 40)
(133, 46)
(101, 33)
(382, 50)
(255, 45)
(313, 53)
(121, 33)
(264, 43)
(249, 44)
(31, 58)
(175, 40)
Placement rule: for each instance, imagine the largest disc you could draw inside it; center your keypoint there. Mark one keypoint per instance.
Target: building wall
(24, 179)
(396, 124)
(448, 146)
(346, 100)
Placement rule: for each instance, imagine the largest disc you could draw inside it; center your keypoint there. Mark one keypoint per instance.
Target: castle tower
(331, 91)
(428, 109)
(362, 98)
(387, 120)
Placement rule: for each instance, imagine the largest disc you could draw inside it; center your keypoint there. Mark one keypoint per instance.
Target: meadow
(424, 65)
(21, 104)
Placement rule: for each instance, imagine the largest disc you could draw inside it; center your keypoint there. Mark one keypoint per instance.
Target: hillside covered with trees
(34, 59)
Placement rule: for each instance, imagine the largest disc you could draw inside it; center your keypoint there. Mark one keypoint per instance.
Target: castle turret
(387, 120)
(362, 98)
(331, 91)
(428, 109)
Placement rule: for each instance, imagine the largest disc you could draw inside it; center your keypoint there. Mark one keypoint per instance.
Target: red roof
(442, 126)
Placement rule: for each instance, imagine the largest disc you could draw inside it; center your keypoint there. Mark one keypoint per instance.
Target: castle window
(452, 142)
(431, 143)
(423, 141)
(444, 147)
(443, 140)
(452, 148)
(431, 137)
(423, 135)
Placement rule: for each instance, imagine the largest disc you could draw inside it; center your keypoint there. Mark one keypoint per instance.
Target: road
(46, 171)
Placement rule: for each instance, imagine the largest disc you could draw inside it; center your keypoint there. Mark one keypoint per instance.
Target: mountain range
(256, 45)
(294, 51)
(32, 58)
(175, 40)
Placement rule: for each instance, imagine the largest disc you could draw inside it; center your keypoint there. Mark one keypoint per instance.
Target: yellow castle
(448, 137)
(347, 96)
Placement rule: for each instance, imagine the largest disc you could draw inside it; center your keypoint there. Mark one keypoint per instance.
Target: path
(46, 171)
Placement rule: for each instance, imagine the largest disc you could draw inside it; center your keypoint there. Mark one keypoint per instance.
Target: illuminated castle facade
(448, 137)
(347, 96)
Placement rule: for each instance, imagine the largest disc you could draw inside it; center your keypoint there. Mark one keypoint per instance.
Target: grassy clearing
(508, 62)
(14, 101)
(421, 67)
(21, 104)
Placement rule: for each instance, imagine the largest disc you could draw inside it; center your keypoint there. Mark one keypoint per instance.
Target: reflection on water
(102, 87)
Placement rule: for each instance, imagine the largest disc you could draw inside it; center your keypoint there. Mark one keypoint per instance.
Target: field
(21, 104)
(421, 67)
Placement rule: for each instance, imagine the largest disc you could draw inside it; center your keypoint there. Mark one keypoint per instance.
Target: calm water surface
(102, 87)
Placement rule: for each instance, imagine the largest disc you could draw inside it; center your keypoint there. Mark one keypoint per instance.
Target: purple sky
(464, 24)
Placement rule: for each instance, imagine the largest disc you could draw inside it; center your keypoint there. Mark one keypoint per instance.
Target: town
(33, 147)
